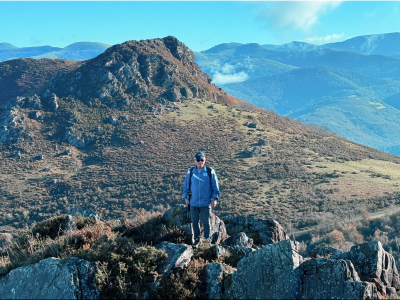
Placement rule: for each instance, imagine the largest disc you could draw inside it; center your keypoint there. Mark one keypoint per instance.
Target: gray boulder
(215, 274)
(239, 244)
(333, 279)
(376, 265)
(269, 273)
(84, 212)
(254, 125)
(73, 139)
(218, 251)
(51, 100)
(263, 142)
(265, 232)
(51, 278)
(239, 239)
(179, 256)
(256, 151)
(113, 120)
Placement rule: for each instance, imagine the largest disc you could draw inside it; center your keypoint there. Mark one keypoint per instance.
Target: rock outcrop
(375, 265)
(270, 273)
(215, 274)
(179, 256)
(51, 279)
(277, 271)
(263, 232)
(333, 279)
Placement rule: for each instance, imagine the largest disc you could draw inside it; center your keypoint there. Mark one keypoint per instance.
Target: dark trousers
(204, 212)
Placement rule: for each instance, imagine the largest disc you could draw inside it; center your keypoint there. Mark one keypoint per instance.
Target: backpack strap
(209, 175)
(190, 177)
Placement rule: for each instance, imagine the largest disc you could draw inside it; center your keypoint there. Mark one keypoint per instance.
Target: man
(204, 193)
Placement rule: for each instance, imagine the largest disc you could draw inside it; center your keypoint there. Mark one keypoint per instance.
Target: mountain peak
(7, 46)
(149, 71)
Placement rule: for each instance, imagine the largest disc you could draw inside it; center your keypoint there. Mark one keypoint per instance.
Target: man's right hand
(187, 202)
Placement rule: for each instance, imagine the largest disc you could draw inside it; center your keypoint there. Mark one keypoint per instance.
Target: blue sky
(199, 24)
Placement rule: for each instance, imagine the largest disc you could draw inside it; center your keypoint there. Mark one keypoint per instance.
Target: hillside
(19, 76)
(119, 133)
(345, 102)
(348, 92)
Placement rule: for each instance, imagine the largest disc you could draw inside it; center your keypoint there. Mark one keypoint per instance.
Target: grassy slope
(302, 175)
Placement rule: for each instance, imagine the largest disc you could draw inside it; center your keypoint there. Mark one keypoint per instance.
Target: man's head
(200, 160)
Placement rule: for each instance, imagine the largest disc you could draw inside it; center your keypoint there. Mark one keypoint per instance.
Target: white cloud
(228, 73)
(324, 39)
(221, 79)
(293, 15)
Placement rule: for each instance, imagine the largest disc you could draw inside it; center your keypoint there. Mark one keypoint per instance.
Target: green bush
(51, 227)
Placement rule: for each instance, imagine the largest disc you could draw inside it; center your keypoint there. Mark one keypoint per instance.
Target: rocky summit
(156, 71)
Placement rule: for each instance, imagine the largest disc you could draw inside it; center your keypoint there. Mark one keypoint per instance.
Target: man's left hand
(214, 202)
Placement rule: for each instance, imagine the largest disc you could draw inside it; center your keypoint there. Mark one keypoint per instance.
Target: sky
(199, 24)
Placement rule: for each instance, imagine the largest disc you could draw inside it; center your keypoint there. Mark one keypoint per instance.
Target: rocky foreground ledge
(275, 270)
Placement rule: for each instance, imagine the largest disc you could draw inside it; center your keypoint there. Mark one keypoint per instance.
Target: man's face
(200, 163)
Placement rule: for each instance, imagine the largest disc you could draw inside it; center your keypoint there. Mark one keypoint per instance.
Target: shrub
(184, 284)
(51, 227)
(124, 269)
(336, 237)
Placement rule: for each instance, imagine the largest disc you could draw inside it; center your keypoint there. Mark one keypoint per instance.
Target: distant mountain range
(378, 44)
(75, 51)
(351, 87)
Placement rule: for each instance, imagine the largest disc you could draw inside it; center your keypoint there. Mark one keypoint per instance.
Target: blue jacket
(200, 187)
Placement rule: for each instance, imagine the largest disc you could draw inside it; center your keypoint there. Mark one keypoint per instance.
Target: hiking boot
(196, 243)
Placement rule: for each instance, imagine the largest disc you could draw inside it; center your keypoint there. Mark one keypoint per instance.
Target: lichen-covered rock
(75, 140)
(269, 273)
(265, 232)
(215, 273)
(256, 151)
(239, 239)
(218, 251)
(51, 279)
(51, 101)
(372, 261)
(333, 279)
(179, 256)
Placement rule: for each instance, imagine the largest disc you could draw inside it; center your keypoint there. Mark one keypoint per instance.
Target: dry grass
(141, 163)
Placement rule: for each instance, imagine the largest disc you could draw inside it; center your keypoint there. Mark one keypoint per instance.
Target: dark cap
(199, 155)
